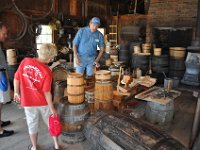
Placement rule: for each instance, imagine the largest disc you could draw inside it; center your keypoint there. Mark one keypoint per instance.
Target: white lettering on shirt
(33, 75)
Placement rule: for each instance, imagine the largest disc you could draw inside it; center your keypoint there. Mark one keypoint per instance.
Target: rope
(32, 18)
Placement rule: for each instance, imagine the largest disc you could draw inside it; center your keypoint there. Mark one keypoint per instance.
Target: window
(46, 36)
(103, 31)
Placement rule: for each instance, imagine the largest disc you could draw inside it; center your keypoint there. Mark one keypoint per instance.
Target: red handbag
(55, 127)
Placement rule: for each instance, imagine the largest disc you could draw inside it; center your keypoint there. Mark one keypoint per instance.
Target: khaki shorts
(33, 117)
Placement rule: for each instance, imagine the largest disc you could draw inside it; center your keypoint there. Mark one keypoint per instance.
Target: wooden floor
(180, 128)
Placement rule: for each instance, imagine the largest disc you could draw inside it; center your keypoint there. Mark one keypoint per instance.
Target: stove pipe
(197, 35)
(196, 43)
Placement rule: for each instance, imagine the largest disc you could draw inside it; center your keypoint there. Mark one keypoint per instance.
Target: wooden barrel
(125, 56)
(137, 49)
(158, 113)
(11, 56)
(114, 71)
(103, 90)
(58, 90)
(114, 58)
(115, 131)
(73, 117)
(89, 95)
(177, 52)
(103, 75)
(146, 48)
(140, 61)
(103, 105)
(89, 98)
(75, 88)
(157, 51)
(59, 73)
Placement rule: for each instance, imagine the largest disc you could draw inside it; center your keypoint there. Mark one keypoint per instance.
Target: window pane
(45, 36)
(44, 39)
(38, 46)
(46, 29)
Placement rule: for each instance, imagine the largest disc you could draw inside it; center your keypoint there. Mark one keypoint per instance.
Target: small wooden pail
(103, 75)
(75, 88)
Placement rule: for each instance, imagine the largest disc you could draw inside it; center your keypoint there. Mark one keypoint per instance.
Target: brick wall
(170, 13)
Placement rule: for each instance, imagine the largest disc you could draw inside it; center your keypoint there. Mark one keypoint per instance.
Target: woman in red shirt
(32, 88)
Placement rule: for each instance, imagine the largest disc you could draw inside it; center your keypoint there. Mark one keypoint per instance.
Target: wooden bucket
(146, 48)
(103, 105)
(114, 58)
(177, 52)
(103, 90)
(137, 49)
(114, 72)
(11, 56)
(157, 51)
(89, 95)
(59, 73)
(75, 88)
(103, 75)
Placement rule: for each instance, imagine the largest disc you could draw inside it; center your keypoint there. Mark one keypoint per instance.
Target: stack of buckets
(74, 111)
(103, 90)
(11, 56)
(177, 62)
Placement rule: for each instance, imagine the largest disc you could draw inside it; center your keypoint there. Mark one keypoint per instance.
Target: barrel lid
(75, 75)
(101, 72)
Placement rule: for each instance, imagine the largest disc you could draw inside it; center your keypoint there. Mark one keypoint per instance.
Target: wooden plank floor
(181, 126)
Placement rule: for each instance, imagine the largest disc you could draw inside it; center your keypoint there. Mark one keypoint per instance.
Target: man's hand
(78, 61)
(97, 64)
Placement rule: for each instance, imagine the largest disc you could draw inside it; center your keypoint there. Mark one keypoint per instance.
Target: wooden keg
(59, 73)
(103, 105)
(103, 90)
(89, 98)
(103, 75)
(11, 56)
(114, 71)
(159, 114)
(114, 58)
(89, 95)
(73, 117)
(75, 88)
(137, 49)
(157, 51)
(177, 52)
(108, 62)
(146, 48)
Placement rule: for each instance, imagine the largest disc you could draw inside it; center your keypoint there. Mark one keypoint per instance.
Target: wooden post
(196, 123)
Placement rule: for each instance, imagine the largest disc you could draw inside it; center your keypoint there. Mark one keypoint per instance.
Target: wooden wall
(18, 24)
(171, 13)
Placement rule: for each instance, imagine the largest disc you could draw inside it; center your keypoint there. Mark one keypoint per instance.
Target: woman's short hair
(47, 51)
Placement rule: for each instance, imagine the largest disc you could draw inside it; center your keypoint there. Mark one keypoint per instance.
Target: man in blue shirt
(85, 47)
